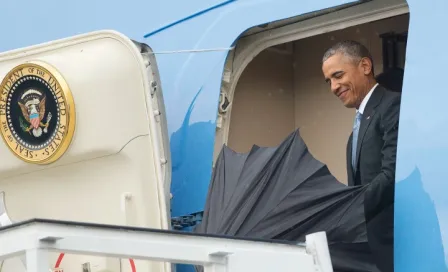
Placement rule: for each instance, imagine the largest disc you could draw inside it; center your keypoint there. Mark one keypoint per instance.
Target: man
(372, 146)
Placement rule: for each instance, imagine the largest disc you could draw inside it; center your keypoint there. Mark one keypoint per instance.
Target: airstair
(35, 238)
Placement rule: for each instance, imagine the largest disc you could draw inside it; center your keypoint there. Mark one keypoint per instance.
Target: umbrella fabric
(284, 193)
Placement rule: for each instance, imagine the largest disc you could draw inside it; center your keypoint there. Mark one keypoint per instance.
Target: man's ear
(366, 66)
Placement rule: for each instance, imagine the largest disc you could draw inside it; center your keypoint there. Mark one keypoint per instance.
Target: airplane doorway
(282, 88)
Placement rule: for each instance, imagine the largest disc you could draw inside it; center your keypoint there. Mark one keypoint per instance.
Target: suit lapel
(367, 116)
(365, 122)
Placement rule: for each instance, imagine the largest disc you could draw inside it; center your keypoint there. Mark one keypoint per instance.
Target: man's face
(348, 79)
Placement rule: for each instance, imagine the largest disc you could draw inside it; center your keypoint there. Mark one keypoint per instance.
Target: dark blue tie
(355, 138)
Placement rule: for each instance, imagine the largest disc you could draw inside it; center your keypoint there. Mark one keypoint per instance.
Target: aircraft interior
(282, 88)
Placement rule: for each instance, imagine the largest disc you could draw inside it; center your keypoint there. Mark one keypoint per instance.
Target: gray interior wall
(263, 105)
(279, 92)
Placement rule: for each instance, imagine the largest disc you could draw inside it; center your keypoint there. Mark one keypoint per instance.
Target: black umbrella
(284, 193)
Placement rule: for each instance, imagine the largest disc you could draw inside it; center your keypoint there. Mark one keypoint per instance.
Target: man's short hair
(351, 49)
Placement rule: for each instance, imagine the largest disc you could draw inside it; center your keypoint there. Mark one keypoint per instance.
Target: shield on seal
(34, 120)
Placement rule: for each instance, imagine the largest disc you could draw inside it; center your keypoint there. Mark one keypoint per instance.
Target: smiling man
(372, 146)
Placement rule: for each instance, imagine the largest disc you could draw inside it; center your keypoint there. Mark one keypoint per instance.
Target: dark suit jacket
(375, 168)
(377, 148)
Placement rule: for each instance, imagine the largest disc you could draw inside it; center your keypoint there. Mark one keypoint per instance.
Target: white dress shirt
(365, 100)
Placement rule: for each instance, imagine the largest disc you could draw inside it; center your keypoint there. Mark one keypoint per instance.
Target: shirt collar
(365, 100)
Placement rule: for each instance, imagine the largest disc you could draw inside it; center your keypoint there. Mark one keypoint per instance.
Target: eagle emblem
(32, 105)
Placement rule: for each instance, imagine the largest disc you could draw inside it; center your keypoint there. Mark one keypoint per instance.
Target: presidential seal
(37, 113)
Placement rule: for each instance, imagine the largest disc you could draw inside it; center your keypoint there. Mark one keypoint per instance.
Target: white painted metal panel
(112, 172)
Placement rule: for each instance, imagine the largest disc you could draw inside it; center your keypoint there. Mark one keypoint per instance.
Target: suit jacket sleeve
(380, 193)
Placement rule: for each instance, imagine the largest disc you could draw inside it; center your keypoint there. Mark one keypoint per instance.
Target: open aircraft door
(84, 138)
